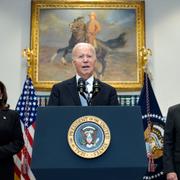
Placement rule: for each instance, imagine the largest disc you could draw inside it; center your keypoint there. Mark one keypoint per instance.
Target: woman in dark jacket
(11, 138)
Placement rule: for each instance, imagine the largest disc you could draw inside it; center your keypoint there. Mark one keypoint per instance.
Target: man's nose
(85, 59)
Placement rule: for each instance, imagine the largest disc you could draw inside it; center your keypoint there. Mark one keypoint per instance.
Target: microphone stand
(95, 90)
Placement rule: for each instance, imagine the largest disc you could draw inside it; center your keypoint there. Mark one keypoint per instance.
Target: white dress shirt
(89, 87)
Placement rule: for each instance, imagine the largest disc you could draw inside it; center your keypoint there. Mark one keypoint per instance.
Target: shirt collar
(89, 80)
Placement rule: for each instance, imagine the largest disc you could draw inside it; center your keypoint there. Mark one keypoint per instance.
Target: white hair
(78, 45)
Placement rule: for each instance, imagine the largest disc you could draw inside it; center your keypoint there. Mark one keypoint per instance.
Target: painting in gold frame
(120, 39)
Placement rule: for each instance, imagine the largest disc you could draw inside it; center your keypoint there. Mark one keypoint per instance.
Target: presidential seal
(89, 137)
(153, 135)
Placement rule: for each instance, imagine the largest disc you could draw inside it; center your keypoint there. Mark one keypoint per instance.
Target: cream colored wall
(14, 36)
(162, 37)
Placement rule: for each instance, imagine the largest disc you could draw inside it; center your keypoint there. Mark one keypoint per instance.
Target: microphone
(83, 90)
(96, 87)
(81, 86)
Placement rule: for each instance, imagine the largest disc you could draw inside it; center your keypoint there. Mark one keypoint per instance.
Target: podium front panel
(125, 157)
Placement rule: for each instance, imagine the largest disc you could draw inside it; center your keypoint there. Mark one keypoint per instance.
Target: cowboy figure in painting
(93, 27)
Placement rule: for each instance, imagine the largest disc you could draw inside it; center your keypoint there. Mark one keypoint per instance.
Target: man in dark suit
(171, 156)
(95, 92)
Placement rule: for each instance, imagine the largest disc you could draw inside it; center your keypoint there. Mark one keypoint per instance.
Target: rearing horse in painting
(78, 29)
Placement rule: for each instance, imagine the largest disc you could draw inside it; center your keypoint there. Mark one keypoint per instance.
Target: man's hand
(171, 176)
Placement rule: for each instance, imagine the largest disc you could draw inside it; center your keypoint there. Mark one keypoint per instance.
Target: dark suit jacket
(66, 94)
(11, 141)
(171, 159)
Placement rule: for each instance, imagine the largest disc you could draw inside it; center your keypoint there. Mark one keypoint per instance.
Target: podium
(125, 158)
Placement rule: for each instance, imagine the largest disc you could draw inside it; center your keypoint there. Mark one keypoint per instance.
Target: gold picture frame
(121, 37)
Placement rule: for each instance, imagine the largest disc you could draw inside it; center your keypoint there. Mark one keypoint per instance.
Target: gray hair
(78, 45)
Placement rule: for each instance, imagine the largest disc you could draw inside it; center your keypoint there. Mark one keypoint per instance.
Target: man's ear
(95, 61)
(73, 62)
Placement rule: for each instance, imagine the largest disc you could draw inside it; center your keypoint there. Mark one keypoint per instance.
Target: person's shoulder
(106, 85)
(62, 83)
(175, 107)
(11, 112)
